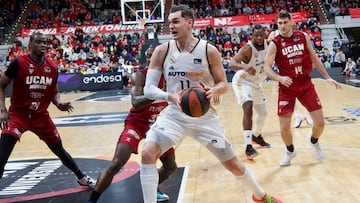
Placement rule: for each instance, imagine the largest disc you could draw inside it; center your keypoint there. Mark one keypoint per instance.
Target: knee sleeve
(261, 114)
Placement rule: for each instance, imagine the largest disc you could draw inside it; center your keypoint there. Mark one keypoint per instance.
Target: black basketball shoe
(250, 152)
(260, 141)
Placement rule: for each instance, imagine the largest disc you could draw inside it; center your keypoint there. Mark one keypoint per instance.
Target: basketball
(193, 102)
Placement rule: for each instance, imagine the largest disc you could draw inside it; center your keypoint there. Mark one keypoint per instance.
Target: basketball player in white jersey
(188, 62)
(247, 86)
(299, 117)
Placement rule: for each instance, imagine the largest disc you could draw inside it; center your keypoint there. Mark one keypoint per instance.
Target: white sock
(247, 137)
(149, 178)
(249, 181)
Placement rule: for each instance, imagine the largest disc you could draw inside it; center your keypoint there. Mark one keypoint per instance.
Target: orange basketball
(193, 102)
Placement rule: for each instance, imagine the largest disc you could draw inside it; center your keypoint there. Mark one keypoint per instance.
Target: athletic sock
(314, 140)
(249, 181)
(247, 137)
(94, 197)
(79, 174)
(149, 181)
(290, 148)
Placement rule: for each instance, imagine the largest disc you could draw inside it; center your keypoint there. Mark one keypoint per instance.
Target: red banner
(90, 29)
(262, 18)
(300, 16)
(231, 21)
(245, 20)
(203, 22)
(199, 23)
(354, 12)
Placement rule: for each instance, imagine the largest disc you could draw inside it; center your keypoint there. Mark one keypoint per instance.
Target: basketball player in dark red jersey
(34, 87)
(293, 54)
(142, 114)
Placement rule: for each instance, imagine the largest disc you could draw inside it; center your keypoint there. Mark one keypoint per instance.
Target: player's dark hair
(186, 11)
(258, 27)
(34, 34)
(284, 14)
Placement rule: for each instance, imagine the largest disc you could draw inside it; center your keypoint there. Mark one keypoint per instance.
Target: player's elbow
(232, 65)
(147, 91)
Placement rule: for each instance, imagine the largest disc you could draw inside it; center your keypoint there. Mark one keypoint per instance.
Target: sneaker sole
(298, 126)
(252, 156)
(261, 145)
(284, 165)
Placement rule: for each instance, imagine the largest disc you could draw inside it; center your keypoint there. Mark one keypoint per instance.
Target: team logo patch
(296, 39)
(31, 69)
(197, 61)
(47, 70)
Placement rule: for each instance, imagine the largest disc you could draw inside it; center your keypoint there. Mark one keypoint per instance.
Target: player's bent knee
(148, 157)
(234, 166)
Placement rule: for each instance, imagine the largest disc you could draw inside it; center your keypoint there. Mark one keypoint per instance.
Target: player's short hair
(34, 34)
(186, 11)
(258, 27)
(284, 14)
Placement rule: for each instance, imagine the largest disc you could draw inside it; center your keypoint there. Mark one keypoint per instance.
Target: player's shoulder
(161, 50)
(162, 47)
(211, 49)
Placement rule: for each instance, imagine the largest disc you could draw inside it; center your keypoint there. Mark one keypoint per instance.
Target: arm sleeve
(13, 69)
(151, 89)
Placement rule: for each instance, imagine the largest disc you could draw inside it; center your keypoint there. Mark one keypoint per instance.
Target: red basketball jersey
(292, 57)
(147, 115)
(34, 84)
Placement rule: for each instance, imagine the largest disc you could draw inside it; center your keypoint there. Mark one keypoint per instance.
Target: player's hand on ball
(193, 101)
(175, 98)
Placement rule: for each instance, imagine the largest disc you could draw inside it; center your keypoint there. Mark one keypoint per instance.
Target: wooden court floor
(336, 179)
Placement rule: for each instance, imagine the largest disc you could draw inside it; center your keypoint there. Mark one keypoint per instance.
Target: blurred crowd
(110, 52)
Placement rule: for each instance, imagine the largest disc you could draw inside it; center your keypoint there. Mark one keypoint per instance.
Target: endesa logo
(101, 79)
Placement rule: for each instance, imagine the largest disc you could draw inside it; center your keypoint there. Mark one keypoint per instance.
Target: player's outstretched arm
(318, 64)
(62, 106)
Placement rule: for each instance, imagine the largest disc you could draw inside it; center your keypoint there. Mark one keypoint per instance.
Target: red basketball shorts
(133, 134)
(40, 124)
(304, 91)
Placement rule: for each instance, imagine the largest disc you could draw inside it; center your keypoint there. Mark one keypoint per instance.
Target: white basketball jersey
(184, 70)
(256, 61)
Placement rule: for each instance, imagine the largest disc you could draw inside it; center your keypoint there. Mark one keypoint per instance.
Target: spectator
(339, 59)
(326, 58)
(318, 43)
(336, 44)
(211, 35)
(273, 25)
(242, 35)
(334, 10)
(345, 47)
(127, 56)
(349, 68)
